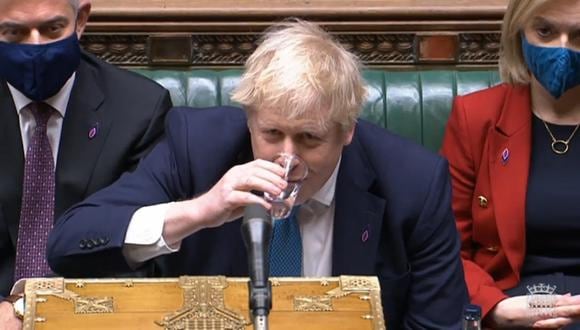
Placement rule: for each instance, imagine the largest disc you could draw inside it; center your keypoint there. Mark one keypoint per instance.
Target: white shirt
(316, 219)
(58, 102)
(144, 240)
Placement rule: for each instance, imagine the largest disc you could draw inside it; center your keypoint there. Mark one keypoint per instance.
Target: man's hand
(8, 320)
(225, 201)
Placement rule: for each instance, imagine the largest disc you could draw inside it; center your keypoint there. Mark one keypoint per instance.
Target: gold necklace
(563, 144)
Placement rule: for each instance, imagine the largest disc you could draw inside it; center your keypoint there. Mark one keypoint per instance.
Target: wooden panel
(225, 32)
(320, 8)
(438, 48)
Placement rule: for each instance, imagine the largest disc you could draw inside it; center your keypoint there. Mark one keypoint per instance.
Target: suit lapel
(357, 218)
(509, 157)
(12, 166)
(79, 146)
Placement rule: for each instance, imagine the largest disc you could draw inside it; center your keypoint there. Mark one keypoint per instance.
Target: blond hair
(299, 68)
(512, 65)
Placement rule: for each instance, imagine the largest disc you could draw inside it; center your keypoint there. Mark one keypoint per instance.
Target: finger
(266, 170)
(271, 177)
(270, 166)
(553, 323)
(240, 199)
(259, 165)
(568, 299)
(238, 203)
(566, 311)
(256, 183)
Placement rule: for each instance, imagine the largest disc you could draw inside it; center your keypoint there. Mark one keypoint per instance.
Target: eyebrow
(556, 23)
(55, 20)
(12, 25)
(16, 25)
(313, 128)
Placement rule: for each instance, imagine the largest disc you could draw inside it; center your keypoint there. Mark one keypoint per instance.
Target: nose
(564, 40)
(289, 147)
(34, 38)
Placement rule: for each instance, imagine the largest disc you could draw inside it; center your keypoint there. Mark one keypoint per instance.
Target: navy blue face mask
(39, 71)
(556, 68)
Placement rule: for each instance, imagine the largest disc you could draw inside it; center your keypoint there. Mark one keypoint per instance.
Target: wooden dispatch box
(217, 302)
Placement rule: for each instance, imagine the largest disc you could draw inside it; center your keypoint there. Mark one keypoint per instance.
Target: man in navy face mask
(70, 124)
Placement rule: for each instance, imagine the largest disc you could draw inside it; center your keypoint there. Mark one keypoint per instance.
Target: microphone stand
(257, 232)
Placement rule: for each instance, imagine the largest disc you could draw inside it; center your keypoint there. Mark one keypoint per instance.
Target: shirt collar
(325, 195)
(59, 101)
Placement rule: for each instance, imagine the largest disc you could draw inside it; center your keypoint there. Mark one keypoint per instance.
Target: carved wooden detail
(381, 49)
(117, 48)
(372, 49)
(482, 48)
(202, 50)
(223, 49)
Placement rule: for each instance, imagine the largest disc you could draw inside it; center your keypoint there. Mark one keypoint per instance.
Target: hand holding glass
(295, 171)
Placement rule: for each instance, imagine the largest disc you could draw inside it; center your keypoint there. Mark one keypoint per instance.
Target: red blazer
(488, 145)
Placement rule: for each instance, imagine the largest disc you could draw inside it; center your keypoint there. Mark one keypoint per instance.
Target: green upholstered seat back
(412, 103)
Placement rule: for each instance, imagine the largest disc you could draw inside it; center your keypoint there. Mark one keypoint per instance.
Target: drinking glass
(295, 171)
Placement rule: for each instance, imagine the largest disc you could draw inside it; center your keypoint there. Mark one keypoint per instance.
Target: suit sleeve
(457, 149)
(154, 131)
(437, 295)
(88, 238)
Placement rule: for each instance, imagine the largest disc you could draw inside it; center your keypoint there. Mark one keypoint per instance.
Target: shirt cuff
(144, 237)
(18, 287)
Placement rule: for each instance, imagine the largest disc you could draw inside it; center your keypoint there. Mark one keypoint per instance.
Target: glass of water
(295, 171)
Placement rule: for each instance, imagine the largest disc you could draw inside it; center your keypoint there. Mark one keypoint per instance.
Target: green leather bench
(411, 103)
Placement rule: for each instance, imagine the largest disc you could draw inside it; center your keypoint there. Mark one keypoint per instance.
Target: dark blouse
(553, 204)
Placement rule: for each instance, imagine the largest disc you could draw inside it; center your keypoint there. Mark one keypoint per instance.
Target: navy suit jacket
(393, 189)
(129, 111)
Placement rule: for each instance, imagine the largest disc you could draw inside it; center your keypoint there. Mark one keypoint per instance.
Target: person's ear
(83, 16)
(348, 135)
(250, 118)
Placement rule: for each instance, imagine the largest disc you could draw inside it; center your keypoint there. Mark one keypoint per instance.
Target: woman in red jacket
(514, 155)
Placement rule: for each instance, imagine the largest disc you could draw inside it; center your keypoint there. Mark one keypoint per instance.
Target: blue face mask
(556, 68)
(39, 71)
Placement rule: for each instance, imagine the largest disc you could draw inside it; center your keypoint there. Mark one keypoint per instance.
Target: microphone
(257, 232)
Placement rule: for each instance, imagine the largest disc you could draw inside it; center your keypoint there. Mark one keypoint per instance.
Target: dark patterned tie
(37, 210)
(286, 247)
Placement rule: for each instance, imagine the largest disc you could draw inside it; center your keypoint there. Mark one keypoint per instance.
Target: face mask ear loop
(77, 24)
